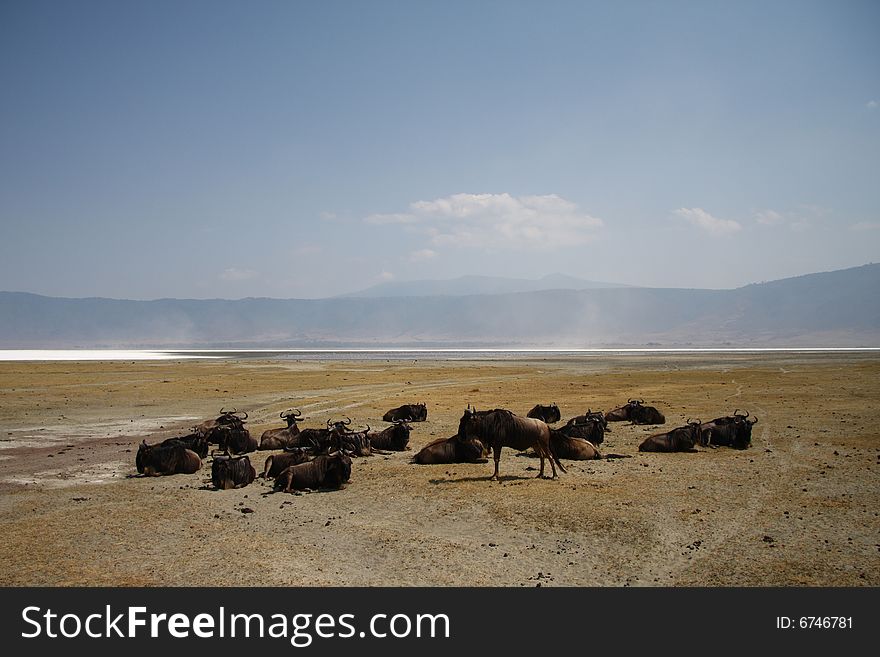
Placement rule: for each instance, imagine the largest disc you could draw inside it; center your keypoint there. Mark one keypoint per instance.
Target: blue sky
(303, 149)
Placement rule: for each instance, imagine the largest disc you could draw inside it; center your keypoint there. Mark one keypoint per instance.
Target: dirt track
(798, 508)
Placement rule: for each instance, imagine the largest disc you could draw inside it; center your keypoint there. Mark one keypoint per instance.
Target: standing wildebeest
(284, 437)
(395, 437)
(591, 427)
(680, 439)
(636, 413)
(325, 471)
(173, 458)
(548, 414)
(576, 449)
(193, 442)
(277, 463)
(451, 450)
(730, 431)
(232, 472)
(408, 412)
(502, 428)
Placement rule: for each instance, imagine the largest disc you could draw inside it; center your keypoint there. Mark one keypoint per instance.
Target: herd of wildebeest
(320, 458)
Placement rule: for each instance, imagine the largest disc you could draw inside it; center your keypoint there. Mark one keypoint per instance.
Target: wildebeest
(590, 426)
(409, 412)
(235, 439)
(680, 439)
(325, 471)
(395, 437)
(283, 437)
(548, 414)
(173, 458)
(193, 442)
(451, 450)
(232, 471)
(576, 449)
(730, 431)
(231, 417)
(276, 463)
(352, 443)
(635, 412)
(502, 428)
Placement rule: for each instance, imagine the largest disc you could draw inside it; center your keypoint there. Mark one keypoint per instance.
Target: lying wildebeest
(233, 439)
(232, 417)
(232, 472)
(548, 414)
(680, 439)
(635, 412)
(277, 463)
(173, 458)
(395, 437)
(352, 443)
(325, 471)
(284, 437)
(451, 450)
(590, 426)
(501, 428)
(576, 449)
(729, 431)
(408, 412)
(193, 442)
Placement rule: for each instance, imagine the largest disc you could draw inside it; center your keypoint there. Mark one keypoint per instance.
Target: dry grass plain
(800, 508)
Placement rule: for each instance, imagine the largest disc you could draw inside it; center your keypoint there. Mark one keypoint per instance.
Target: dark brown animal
(154, 460)
(276, 463)
(231, 417)
(680, 439)
(325, 471)
(232, 472)
(285, 436)
(548, 414)
(193, 442)
(501, 428)
(233, 439)
(635, 411)
(408, 412)
(729, 431)
(451, 450)
(394, 438)
(590, 426)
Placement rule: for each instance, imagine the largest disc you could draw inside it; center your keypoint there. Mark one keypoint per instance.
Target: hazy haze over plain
(292, 149)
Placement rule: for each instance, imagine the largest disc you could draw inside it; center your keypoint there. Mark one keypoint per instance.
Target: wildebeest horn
(242, 413)
(329, 422)
(349, 421)
(367, 430)
(755, 421)
(225, 412)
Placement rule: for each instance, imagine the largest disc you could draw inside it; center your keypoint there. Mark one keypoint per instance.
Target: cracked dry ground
(798, 508)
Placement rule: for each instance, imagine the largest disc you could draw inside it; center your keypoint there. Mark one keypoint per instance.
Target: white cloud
(498, 221)
(386, 276)
(705, 221)
(327, 216)
(768, 217)
(422, 254)
(236, 274)
(865, 225)
(872, 104)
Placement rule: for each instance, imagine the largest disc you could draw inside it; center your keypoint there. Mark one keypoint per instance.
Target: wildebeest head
(292, 416)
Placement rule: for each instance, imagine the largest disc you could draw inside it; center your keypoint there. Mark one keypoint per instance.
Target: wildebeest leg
(541, 455)
(496, 454)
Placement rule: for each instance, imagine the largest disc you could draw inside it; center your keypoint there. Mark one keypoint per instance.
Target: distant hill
(465, 285)
(840, 308)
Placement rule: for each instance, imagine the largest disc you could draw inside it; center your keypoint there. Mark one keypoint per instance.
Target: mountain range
(839, 308)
